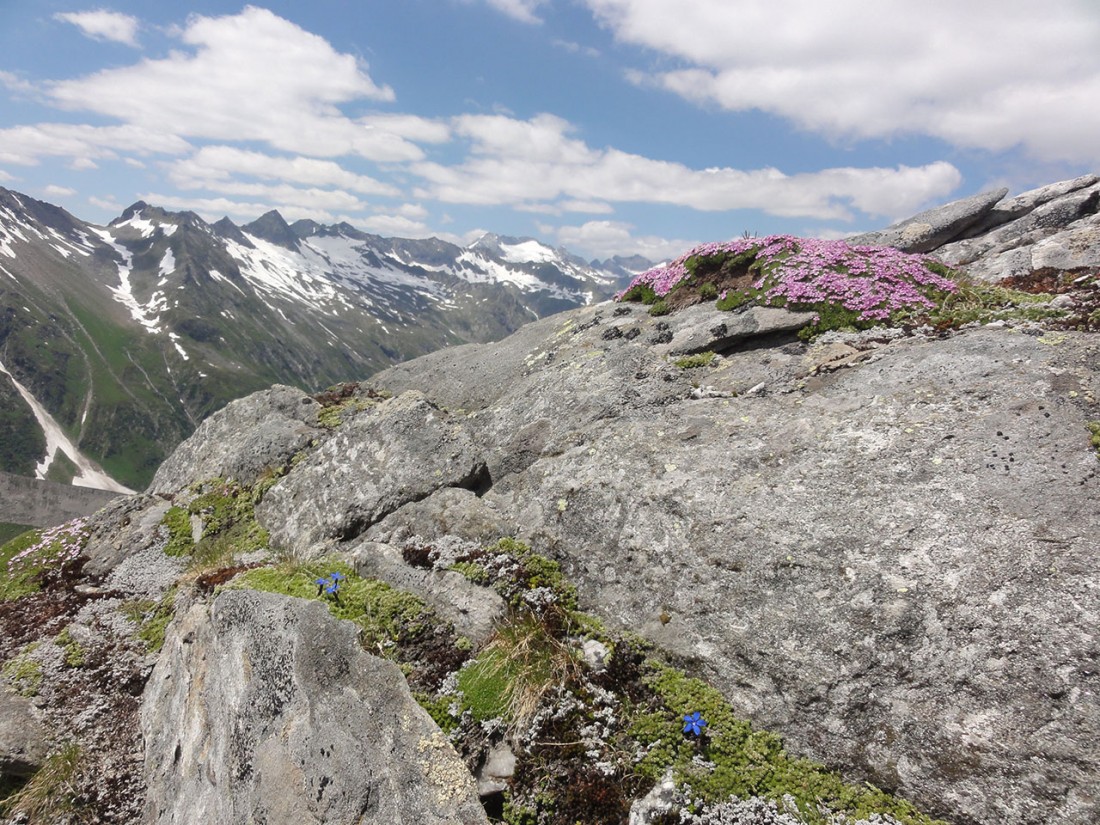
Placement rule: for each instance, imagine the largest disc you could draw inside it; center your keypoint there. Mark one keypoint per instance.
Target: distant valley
(116, 341)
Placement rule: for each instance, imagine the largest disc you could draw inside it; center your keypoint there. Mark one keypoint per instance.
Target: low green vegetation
(226, 513)
(23, 672)
(49, 796)
(333, 416)
(642, 293)
(515, 671)
(660, 307)
(1094, 435)
(981, 303)
(177, 521)
(343, 400)
(486, 685)
(74, 653)
(151, 617)
(731, 758)
(526, 579)
(699, 359)
(10, 531)
(31, 558)
(384, 614)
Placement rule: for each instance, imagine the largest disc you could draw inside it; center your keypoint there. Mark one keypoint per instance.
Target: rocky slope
(878, 544)
(128, 335)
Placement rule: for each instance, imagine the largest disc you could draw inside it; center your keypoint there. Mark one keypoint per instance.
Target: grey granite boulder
(934, 227)
(22, 738)
(1010, 209)
(378, 460)
(700, 328)
(242, 440)
(1060, 233)
(120, 529)
(264, 708)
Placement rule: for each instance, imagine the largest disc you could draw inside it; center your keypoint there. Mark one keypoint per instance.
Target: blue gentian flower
(337, 577)
(694, 723)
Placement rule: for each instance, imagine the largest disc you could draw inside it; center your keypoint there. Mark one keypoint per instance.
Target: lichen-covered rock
(1012, 208)
(890, 562)
(1061, 233)
(242, 440)
(264, 708)
(23, 743)
(700, 328)
(119, 529)
(378, 460)
(934, 227)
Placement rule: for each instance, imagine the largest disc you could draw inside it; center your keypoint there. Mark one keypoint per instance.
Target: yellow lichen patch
(447, 776)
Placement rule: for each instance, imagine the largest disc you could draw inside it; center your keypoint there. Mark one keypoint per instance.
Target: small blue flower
(694, 723)
(337, 577)
(331, 588)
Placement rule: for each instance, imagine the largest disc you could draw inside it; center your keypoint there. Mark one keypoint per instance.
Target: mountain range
(117, 341)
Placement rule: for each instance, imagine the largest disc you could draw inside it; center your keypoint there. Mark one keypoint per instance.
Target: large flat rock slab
(934, 227)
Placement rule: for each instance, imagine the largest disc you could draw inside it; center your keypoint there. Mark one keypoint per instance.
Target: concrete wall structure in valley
(46, 503)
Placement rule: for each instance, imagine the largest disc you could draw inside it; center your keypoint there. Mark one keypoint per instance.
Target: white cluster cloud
(24, 145)
(104, 25)
(251, 76)
(530, 162)
(216, 167)
(606, 239)
(988, 74)
(55, 191)
(522, 10)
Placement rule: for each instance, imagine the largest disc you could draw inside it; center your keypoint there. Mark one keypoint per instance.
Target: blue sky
(607, 126)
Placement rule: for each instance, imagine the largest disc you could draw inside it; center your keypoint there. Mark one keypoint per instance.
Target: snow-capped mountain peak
(159, 317)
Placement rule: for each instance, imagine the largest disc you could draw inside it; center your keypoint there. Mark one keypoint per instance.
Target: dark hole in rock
(479, 482)
(494, 806)
(773, 340)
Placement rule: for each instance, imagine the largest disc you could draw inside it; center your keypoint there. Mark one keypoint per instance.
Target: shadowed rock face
(264, 708)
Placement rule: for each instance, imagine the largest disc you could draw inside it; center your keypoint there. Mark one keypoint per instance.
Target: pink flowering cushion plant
(846, 286)
(28, 560)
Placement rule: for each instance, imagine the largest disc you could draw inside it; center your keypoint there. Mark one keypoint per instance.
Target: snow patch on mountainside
(476, 268)
(167, 263)
(277, 271)
(88, 474)
(148, 315)
(143, 225)
(175, 342)
(526, 252)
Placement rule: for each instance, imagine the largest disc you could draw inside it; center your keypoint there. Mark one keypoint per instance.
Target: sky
(609, 127)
